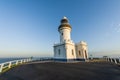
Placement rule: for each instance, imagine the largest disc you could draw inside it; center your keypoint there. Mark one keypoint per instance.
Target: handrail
(9, 64)
(113, 60)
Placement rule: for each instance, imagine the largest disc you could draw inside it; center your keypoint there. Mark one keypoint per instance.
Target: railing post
(24, 61)
(16, 62)
(115, 61)
(21, 61)
(10, 64)
(111, 60)
(108, 59)
(1, 67)
(119, 60)
(27, 60)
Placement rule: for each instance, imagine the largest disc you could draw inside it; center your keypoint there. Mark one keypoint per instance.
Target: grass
(7, 68)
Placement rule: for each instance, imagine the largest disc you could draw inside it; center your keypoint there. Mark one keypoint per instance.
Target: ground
(64, 71)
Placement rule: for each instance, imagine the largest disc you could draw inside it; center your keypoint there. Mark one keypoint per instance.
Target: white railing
(9, 64)
(114, 60)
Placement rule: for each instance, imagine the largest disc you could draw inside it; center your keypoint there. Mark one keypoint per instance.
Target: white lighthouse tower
(65, 50)
(64, 30)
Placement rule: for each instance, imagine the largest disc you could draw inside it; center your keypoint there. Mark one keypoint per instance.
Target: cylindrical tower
(64, 30)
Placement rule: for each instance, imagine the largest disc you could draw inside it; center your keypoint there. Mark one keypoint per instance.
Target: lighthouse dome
(64, 23)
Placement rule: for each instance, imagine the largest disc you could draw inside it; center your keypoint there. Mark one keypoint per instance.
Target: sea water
(2, 60)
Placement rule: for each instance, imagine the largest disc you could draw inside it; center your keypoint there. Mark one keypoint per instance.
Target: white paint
(1, 67)
(21, 61)
(82, 50)
(24, 61)
(16, 62)
(67, 49)
(111, 60)
(65, 34)
(64, 17)
(10, 64)
(70, 50)
(115, 61)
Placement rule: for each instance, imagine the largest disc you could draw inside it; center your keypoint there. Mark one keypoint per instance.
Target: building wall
(65, 51)
(65, 34)
(70, 51)
(81, 50)
(79, 53)
(59, 52)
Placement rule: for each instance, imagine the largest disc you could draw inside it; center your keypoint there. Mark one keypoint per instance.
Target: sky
(30, 27)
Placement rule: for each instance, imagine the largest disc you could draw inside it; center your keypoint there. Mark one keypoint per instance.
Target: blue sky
(29, 27)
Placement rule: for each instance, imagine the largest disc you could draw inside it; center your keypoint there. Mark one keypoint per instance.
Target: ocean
(2, 60)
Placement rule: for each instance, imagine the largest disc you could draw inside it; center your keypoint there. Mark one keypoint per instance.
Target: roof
(64, 23)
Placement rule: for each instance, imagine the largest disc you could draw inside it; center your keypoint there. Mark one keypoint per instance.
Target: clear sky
(30, 27)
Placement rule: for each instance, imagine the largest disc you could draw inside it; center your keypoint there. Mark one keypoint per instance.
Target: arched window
(79, 53)
(72, 52)
(85, 54)
(59, 52)
(62, 34)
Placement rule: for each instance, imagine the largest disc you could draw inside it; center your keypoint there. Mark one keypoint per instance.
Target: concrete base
(79, 59)
(69, 60)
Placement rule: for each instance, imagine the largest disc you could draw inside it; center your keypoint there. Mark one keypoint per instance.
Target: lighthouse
(66, 49)
(64, 30)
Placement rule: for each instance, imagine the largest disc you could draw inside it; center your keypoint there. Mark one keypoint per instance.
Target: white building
(67, 50)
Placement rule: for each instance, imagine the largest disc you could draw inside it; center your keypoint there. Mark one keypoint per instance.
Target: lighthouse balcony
(64, 42)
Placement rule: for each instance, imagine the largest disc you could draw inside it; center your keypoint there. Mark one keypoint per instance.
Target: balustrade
(9, 64)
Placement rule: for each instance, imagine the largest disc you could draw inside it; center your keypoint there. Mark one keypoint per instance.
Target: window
(79, 53)
(62, 34)
(72, 52)
(85, 54)
(59, 52)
